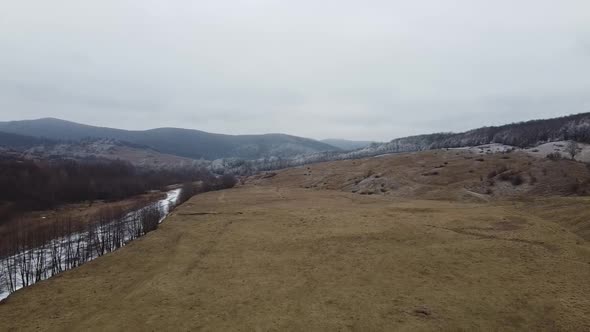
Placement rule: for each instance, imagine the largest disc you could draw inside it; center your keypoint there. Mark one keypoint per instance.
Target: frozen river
(64, 253)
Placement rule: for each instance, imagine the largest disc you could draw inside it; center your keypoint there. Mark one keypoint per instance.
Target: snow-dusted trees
(572, 148)
(523, 134)
(30, 254)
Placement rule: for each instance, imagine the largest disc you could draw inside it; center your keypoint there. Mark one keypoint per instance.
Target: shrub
(573, 188)
(6, 213)
(554, 156)
(516, 180)
(572, 148)
(228, 181)
(532, 179)
(187, 191)
(150, 218)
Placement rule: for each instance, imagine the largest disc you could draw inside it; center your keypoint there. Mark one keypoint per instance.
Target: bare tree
(572, 149)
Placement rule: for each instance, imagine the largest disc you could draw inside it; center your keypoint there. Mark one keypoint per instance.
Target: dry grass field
(361, 245)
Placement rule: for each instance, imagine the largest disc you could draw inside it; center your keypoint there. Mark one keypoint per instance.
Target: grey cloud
(53, 94)
(352, 69)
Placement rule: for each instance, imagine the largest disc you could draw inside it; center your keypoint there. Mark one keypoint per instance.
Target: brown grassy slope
(440, 174)
(549, 187)
(277, 257)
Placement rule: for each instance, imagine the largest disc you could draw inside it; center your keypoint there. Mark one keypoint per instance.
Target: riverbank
(79, 213)
(31, 256)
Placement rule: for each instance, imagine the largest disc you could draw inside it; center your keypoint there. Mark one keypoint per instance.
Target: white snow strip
(68, 252)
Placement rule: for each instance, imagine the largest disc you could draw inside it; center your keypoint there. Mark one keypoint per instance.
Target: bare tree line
(189, 189)
(29, 255)
(525, 134)
(44, 184)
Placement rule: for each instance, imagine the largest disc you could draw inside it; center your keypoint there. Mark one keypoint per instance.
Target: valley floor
(262, 257)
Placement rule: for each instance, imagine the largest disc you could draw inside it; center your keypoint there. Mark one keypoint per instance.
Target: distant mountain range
(242, 154)
(187, 143)
(523, 134)
(21, 142)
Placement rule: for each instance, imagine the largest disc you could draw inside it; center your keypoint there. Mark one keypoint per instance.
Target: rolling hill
(521, 135)
(22, 142)
(181, 142)
(374, 244)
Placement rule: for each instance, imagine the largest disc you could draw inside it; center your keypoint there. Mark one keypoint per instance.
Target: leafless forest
(28, 255)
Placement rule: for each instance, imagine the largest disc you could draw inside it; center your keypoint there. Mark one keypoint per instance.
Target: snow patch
(57, 255)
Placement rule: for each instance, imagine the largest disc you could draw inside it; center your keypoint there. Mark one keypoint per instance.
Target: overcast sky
(334, 68)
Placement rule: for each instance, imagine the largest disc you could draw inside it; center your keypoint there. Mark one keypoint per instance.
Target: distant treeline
(522, 134)
(20, 142)
(29, 253)
(33, 185)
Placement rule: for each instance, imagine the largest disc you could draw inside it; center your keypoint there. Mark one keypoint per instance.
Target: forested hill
(21, 142)
(181, 142)
(291, 150)
(522, 134)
